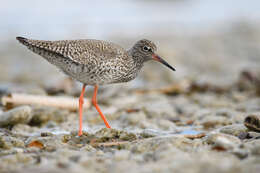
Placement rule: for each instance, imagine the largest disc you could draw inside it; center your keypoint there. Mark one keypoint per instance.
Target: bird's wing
(79, 51)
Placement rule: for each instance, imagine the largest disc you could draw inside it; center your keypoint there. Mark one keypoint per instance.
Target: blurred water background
(202, 39)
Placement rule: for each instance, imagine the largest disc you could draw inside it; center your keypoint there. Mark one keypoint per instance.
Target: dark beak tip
(173, 69)
(159, 59)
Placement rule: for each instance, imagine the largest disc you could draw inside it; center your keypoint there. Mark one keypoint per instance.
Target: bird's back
(89, 61)
(79, 51)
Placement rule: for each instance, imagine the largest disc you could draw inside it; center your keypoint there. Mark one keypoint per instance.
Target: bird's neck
(135, 64)
(137, 61)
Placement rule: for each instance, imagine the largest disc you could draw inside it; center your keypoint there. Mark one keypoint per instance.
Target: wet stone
(19, 115)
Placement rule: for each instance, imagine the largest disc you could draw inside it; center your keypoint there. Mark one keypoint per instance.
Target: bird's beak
(159, 59)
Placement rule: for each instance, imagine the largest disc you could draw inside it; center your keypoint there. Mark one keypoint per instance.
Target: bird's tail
(23, 40)
(44, 49)
(37, 47)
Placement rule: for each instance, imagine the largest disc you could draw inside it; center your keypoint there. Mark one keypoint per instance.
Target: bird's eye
(146, 48)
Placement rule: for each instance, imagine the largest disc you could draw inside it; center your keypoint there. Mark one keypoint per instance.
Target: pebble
(241, 153)
(166, 124)
(234, 129)
(19, 115)
(148, 133)
(88, 148)
(252, 122)
(222, 141)
(213, 121)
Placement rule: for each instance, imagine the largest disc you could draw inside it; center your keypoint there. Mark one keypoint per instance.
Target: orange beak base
(159, 59)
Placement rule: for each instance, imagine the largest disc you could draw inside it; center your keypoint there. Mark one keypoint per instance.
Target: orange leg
(94, 101)
(81, 102)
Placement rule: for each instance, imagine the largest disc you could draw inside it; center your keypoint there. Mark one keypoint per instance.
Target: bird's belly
(90, 76)
(94, 79)
(98, 76)
(93, 74)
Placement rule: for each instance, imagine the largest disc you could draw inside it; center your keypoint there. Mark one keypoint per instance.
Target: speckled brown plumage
(92, 61)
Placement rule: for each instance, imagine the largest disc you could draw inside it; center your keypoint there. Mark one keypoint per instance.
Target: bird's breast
(106, 72)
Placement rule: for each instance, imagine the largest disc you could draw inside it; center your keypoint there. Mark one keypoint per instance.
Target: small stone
(166, 124)
(244, 135)
(19, 115)
(149, 133)
(36, 144)
(23, 129)
(240, 152)
(88, 148)
(222, 142)
(252, 122)
(44, 134)
(235, 129)
(47, 143)
(213, 121)
(66, 138)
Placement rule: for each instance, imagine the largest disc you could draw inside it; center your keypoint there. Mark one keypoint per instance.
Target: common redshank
(95, 62)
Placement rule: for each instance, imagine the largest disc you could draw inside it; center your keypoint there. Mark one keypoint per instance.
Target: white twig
(70, 103)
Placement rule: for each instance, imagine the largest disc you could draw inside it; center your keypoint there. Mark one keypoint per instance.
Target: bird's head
(144, 50)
